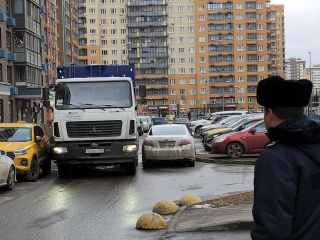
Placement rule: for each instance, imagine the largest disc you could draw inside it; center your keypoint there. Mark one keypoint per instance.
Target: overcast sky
(302, 28)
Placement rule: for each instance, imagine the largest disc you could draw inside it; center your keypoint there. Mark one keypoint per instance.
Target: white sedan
(7, 171)
(168, 143)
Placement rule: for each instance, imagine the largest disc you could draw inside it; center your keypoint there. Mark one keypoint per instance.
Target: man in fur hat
(287, 173)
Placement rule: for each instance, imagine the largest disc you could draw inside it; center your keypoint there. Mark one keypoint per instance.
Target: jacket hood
(302, 132)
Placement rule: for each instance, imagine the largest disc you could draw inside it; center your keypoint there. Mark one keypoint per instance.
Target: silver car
(168, 143)
(7, 171)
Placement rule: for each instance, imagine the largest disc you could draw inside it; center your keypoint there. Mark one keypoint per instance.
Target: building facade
(295, 68)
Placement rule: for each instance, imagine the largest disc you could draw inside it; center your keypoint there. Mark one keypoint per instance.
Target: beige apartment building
(198, 56)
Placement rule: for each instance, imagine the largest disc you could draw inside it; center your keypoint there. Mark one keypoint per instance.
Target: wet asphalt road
(104, 203)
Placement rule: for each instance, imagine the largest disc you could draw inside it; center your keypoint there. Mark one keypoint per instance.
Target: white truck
(95, 119)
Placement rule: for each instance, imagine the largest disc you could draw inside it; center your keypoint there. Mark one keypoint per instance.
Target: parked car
(139, 126)
(249, 140)
(168, 143)
(213, 119)
(236, 128)
(184, 121)
(29, 148)
(145, 124)
(7, 171)
(159, 121)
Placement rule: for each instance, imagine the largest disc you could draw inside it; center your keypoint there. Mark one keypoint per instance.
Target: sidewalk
(230, 218)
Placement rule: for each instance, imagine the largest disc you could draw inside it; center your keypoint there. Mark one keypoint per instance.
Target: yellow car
(29, 148)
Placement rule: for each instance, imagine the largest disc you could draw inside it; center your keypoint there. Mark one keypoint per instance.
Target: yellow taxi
(29, 148)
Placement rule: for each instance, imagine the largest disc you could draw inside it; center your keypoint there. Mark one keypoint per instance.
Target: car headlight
(60, 150)
(219, 139)
(216, 135)
(129, 148)
(21, 151)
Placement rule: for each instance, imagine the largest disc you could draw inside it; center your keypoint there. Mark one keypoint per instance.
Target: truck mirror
(142, 91)
(45, 93)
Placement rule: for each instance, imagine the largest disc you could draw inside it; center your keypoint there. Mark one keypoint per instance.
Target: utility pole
(311, 107)
(206, 111)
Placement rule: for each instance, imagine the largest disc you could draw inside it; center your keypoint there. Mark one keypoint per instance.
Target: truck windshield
(109, 94)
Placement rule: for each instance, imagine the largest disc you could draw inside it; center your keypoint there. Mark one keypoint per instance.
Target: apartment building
(295, 68)
(314, 77)
(203, 56)
(82, 30)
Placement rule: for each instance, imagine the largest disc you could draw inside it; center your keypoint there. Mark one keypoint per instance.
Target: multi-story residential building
(314, 77)
(295, 68)
(82, 24)
(68, 35)
(195, 55)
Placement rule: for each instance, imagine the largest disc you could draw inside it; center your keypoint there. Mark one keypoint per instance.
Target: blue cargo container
(74, 71)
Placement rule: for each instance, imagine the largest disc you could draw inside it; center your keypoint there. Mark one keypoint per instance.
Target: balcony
(81, 5)
(148, 55)
(81, 26)
(147, 44)
(146, 3)
(147, 14)
(24, 21)
(3, 17)
(147, 34)
(151, 65)
(12, 57)
(11, 22)
(82, 36)
(81, 15)
(147, 24)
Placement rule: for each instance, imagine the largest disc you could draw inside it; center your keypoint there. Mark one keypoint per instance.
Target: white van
(212, 119)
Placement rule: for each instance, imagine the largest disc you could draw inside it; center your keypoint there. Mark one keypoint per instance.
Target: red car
(249, 140)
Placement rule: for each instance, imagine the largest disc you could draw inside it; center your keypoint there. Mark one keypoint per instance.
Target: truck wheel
(46, 167)
(34, 171)
(64, 171)
(131, 168)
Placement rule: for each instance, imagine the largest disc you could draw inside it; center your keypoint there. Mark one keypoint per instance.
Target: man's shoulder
(271, 144)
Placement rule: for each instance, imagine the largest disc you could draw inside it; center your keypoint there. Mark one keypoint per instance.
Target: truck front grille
(94, 129)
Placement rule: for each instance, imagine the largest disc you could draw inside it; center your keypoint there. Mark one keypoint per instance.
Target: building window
(240, 37)
(92, 21)
(250, 100)
(93, 62)
(180, 9)
(240, 79)
(9, 74)
(172, 92)
(192, 81)
(203, 70)
(182, 70)
(239, 16)
(1, 79)
(239, 27)
(104, 52)
(104, 42)
(8, 36)
(190, 9)
(240, 58)
(203, 80)
(182, 102)
(93, 42)
(181, 50)
(240, 69)
(261, 69)
(10, 112)
(202, 28)
(173, 102)
(239, 6)
(240, 48)
(191, 19)
(201, 18)
(172, 81)
(182, 81)
(192, 70)
(259, 5)
(92, 11)
(190, 29)
(92, 32)
(93, 52)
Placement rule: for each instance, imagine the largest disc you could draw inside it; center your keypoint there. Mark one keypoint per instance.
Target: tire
(131, 168)
(64, 171)
(46, 167)
(197, 130)
(146, 165)
(191, 164)
(234, 150)
(207, 148)
(33, 173)
(10, 179)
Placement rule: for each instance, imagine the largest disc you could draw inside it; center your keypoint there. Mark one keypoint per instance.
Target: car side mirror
(38, 139)
(253, 130)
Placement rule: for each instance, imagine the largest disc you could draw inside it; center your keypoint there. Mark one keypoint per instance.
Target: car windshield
(143, 119)
(83, 95)
(241, 122)
(158, 131)
(15, 134)
(249, 124)
(184, 120)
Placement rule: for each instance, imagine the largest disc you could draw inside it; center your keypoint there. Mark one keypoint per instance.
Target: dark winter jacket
(287, 183)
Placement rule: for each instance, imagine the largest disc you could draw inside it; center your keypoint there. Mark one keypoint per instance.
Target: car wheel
(33, 173)
(46, 167)
(207, 147)
(197, 130)
(64, 171)
(235, 150)
(191, 164)
(10, 180)
(131, 168)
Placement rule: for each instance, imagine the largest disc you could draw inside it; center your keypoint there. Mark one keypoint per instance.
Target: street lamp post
(310, 107)
(206, 109)
(223, 94)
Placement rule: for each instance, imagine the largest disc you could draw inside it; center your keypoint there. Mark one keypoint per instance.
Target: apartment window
(202, 91)
(260, 37)
(192, 60)
(240, 90)
(113, 11)
(180, 9)
(192, 81)
(172, 81)
(112, 1)
(104, 52)
(113, 21)
(171, 30)
(191, 40)
(202, 59)
(259, 5)
(103, 1)
(261, 69)
(181, 29)
(92, 32)
(180, 19)
(182, 70)
(259, 16)
(202, 39)
(92, 21)
(192, 70)
(181, 50)
(192, 91)
(181, 40)
(92, 11)
(92, 1)
(240, 59)
(8, 36)
(203, 80)
(93, 42)
(182, 102)
(171, 40)
(260, 26)
(260, 58)
(192, 101)
(241, 100)
(202, 49)
(123, 31)
(171, 61)
(113, 31)
(123, 21)
(240, 79)
(239, 6)
(10, 111)
(104, 62)
(93, 52)
(201, 7)
(191, 19)
(182, 92)
(114, 62)
(202, 28)
(268, 4)
(240, 69)
(201, 18)
(170, 9)
(171, 20)
(239, 27)
(240, 37)
(104, 42)
(9, 74)
(171, 50)
(191, 50)
(103, 32)
(260, 47)
(240, 48)
(182, 81)
(239, 16)
(182, 60)
(103, 21)
(93, 62)
(173, 102)
(113, 42)
(114, 52)
(172, 92)
(190, 9)
(103, 11)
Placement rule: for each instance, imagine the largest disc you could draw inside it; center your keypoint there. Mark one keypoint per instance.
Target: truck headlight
(60, 150)
(21, 151)
(129, 148)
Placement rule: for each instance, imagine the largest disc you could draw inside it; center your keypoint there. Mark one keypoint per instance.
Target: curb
(212, 160)
(172, 222)
(236, 226)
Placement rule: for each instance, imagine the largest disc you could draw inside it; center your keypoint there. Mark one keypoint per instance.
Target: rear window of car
(182, 120)
(158, 119)
(157, 131)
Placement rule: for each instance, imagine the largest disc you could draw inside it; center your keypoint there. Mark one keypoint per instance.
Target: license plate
(94, 150)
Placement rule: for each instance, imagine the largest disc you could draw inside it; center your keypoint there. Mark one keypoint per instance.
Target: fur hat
(275, 92)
